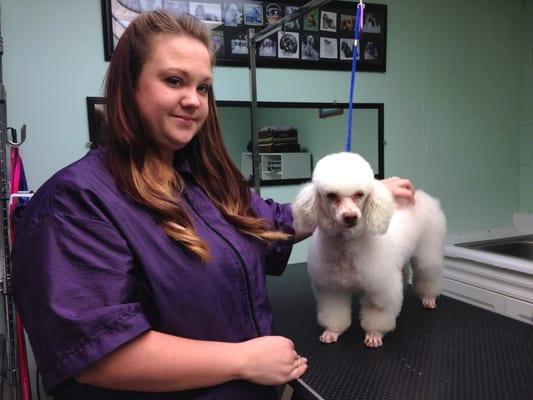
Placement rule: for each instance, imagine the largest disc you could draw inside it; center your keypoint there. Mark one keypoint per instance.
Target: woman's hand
(158, 362)
(402, 190)
(271, 360)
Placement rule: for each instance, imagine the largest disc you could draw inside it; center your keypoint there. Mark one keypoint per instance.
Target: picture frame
(96, 120)
(322, 39)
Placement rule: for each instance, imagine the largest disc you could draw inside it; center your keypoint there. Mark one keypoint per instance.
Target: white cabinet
(520, 310)
(473, 295)
(278, 166)
(493, 288)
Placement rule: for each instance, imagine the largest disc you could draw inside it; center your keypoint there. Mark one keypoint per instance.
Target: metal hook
(12, 140)
(27, 194)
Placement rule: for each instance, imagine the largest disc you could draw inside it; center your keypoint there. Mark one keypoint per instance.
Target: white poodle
(362, 243)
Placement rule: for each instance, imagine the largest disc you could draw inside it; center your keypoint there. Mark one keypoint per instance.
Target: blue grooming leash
(358, 23)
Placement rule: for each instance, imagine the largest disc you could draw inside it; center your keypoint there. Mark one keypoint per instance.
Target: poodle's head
(343, 197)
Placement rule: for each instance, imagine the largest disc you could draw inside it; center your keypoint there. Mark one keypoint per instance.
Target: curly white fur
(362, 243)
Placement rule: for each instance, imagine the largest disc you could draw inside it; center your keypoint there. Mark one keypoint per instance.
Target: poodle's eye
(332, 196)
(359, 195)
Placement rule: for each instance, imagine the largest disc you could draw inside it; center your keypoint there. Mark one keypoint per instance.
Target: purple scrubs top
(92, 270)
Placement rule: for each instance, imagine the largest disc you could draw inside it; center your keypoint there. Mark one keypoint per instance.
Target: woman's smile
(184, 120)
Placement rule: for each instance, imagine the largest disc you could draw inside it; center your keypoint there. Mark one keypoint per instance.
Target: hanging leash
(359, 18)
(18, 197)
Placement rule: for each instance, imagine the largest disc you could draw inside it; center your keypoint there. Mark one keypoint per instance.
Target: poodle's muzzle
(350, 219)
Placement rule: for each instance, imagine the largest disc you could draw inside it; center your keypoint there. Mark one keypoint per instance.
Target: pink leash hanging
(15, 181)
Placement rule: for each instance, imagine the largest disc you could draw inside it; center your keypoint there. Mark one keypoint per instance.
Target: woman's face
(172, 91)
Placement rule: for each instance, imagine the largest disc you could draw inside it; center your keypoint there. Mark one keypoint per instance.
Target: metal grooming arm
(253, 39)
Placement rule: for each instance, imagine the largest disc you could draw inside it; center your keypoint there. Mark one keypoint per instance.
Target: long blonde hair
(131, 155)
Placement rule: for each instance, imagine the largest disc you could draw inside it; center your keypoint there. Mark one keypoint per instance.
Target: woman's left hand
(402, 190)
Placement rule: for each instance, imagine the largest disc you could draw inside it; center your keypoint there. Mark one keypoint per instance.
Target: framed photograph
(238, 43)
(273, 13)
(288, 45)
(253, 14)
(328, 48)
(310, 46)
(96, 118)
(268, 47)
(310, 21)
(328, 21)
(346, 47)
(217, 38)
(321, 39)
(232, 13)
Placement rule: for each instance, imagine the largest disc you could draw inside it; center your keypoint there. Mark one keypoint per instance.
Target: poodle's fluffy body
(362, 243)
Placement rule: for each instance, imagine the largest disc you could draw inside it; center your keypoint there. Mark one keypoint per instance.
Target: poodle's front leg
(379, 312)
(334, 312)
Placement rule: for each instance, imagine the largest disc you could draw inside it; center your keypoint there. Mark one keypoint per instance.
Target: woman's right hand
(271, 360)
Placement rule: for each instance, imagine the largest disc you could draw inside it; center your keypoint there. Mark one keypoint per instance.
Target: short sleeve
(280, 216)
(75, 288)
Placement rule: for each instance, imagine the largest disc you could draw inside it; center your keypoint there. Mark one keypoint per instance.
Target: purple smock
(92, 270)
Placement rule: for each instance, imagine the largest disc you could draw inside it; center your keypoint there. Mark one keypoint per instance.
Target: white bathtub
(498, 283)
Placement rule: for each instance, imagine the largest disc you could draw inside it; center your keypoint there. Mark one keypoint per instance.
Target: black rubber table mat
(455, 352)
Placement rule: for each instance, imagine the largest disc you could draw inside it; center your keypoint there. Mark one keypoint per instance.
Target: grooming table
(456, 352)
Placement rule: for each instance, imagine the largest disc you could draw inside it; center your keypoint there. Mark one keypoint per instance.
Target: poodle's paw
(329, 336)
(374, 339)
(429, 302)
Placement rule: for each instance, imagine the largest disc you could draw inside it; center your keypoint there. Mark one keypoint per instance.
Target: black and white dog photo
(288, 44)
(347, 49)
(328, 47)
(268, 47)
(310, 47)
(239, 44)
(328, 21)
(233, 15)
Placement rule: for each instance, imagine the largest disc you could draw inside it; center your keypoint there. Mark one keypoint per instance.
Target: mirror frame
(324, 110)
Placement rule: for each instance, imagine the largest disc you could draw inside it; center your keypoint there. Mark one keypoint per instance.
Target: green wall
(236, 126)
(526, 128)
(457, 95)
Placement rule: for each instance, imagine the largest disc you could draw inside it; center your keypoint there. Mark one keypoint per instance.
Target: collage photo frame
(321, 39)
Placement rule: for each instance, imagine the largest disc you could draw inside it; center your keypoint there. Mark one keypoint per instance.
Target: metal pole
(5, 265)
(256, 157)
(253, 39)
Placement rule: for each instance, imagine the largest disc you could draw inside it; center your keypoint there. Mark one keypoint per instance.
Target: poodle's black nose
(350, 219)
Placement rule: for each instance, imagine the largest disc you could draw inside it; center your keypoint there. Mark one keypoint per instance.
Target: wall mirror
(321, 130)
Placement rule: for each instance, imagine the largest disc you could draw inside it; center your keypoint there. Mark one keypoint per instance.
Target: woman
(139, 270)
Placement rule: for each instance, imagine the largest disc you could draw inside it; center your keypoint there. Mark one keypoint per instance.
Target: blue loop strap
(348, 142)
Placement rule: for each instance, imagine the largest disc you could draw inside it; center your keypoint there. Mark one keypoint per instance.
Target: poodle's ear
(304, 209)
(379, 208)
